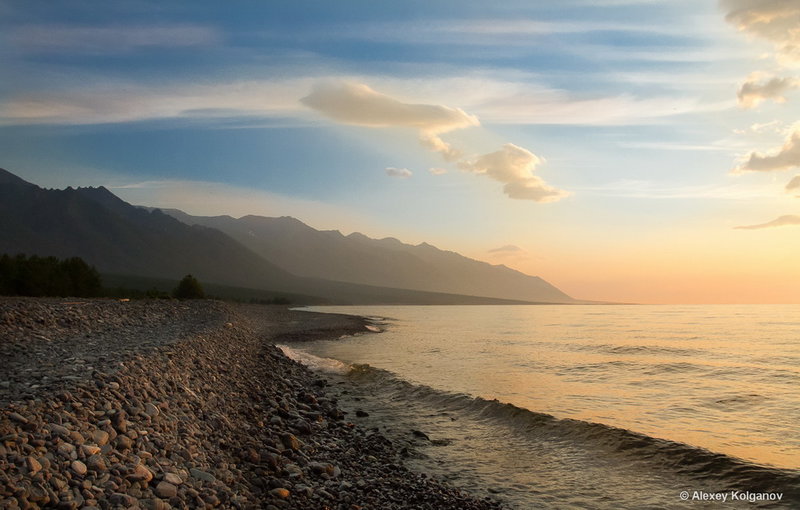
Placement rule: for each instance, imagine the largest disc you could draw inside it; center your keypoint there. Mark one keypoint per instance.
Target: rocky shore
(165, 404)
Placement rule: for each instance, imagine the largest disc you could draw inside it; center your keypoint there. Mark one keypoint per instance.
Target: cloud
(437, 171)
(403, 173)
(793, 185)
(514, 166)
(115, 102)
(552, 106)
(776, 21)
(774, 126)
(752, 93)
(109, 39)
(779, 222)
(508, 248)
(358, 104)
(784, 158)
(660, 191)
(98, 100)
(355, 103)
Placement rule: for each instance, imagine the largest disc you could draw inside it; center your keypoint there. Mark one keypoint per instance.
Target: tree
(48, 276)
(189, 288)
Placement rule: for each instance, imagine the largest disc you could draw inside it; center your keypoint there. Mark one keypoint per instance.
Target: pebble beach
(186, 404)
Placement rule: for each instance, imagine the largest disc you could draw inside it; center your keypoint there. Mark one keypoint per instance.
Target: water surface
(708, 393)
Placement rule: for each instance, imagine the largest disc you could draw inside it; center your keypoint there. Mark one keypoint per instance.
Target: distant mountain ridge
(119, 238)
(116, 237)
(356, 258)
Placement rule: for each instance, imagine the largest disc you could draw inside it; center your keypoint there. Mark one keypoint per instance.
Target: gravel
(167, 404)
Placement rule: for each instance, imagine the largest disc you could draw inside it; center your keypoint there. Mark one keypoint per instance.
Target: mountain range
(282, 255)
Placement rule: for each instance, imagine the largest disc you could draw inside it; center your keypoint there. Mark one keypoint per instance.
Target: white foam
(315, 363)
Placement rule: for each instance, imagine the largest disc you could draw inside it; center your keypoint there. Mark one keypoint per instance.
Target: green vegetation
(189, 288)
(36, 276)
(48, 276)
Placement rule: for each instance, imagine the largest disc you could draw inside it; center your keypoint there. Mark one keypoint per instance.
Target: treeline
(36, 276)
(21, 275)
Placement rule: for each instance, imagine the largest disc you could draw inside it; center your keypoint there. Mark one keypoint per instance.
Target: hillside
(121, 239)
(356, 258)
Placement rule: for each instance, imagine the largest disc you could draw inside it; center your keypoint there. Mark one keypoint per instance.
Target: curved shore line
(185, 405)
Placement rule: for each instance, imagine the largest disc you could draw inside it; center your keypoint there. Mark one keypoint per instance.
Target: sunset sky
(623, 150)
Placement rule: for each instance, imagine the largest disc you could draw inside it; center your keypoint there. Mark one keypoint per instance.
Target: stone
(89, 450)
(271, 460)
(361, 414)
(59, 430)
(211, 499)
(100, 437)
(324, 468)
(166, 490)
(38, 494)
(294, 470)
(33, 465)
(421, 434)
(290, 442)
(154, 504)
(66, 450)
(173, 479)
(280, 493)
(141, 473)
(151, 410)
(120, 422)
(202, 475)
(302, 427)
(18, 418)
(122, 500)
(96, 463)
(78, 467)
(124, 442)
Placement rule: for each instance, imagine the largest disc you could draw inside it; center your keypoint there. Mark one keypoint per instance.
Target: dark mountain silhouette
(115, 237)
(356, 258)
(118, 238)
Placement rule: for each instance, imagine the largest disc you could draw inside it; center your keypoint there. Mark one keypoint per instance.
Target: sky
(623, 150)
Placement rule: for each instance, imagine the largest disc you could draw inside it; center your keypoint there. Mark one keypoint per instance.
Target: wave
(727, 472)
(327, 365)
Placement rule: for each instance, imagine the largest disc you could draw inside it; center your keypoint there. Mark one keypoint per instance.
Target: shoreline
(184, 405)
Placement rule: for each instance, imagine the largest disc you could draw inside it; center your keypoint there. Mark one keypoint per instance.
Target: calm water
(609, 403)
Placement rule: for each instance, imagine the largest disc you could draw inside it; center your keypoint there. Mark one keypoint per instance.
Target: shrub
(189, 288)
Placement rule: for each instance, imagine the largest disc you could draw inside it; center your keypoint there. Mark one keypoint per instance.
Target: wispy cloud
(560, 107)
(403, 173)
(672, 146)
(783, 158)
(782, 221)
(659, 191)
(506, 100)
(437, 171)
(69, 39)
(758, 89)
(774, 126)
(115, 102)
(507, 32)
(508, 248)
